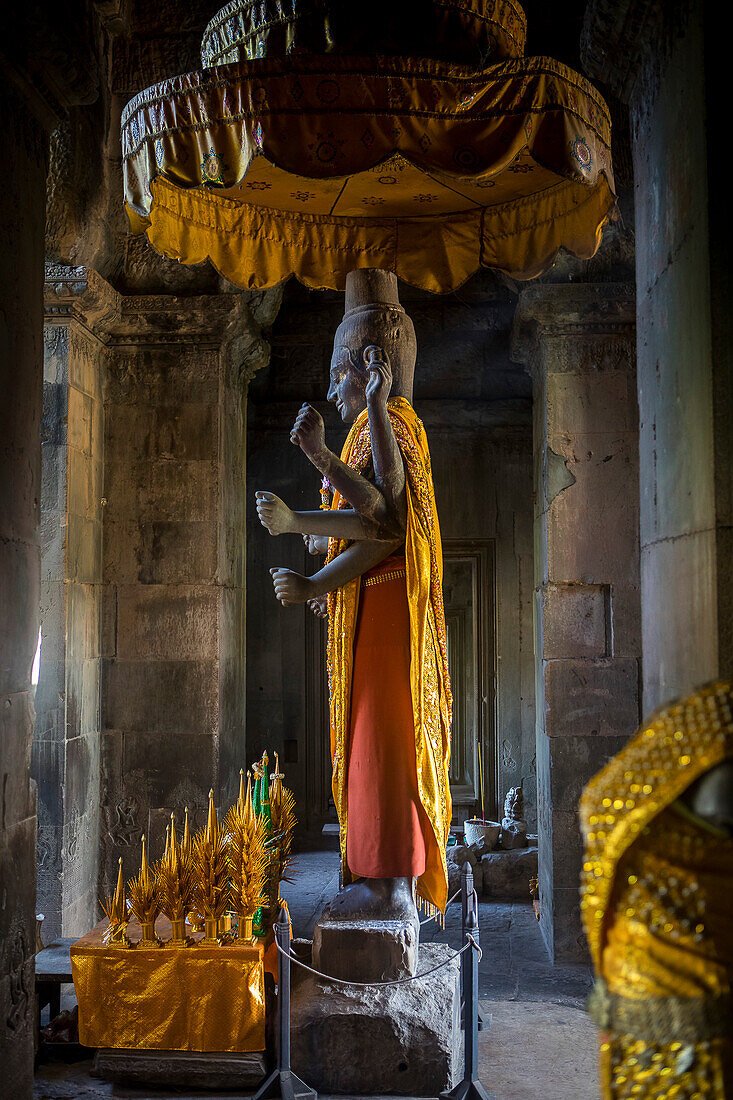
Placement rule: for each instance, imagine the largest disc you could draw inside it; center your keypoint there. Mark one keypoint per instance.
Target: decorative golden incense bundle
(115, 909)
(248, 859)
(145, 899)
(175, 878)
(281, 843)
(211, 874)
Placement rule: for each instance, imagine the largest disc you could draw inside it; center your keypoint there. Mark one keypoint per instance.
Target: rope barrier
(371, 985)
(480, 952)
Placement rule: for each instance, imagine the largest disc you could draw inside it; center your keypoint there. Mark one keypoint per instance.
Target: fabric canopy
(316, 165)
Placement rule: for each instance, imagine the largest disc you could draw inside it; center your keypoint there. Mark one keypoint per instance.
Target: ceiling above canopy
(315, 164)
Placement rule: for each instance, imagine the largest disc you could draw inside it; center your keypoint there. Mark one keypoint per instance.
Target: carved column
(65, 758)
(173, 643)
(42, 72)
(657, 57)
(578, 343)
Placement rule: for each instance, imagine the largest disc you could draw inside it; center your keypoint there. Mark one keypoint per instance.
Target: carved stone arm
(365, 498)
(355, 560)
(389, 468)
(342, 524)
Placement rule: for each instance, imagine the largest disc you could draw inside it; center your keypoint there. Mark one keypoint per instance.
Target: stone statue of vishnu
(381, 584)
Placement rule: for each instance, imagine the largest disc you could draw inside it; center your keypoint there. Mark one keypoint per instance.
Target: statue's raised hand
(274, 514)
(308, 432)
(290, 588)
(380, 375)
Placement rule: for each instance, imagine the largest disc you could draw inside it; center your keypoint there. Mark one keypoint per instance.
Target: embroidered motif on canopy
(314, 165)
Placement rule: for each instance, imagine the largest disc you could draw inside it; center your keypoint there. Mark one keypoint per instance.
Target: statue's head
(373, 317)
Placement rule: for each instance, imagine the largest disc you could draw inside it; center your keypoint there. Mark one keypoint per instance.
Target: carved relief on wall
(47, 870)
(18, 981)
(122, 827)
(508, 762)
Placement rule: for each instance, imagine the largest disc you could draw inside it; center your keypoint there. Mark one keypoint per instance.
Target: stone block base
(365, 951)
(506, 875)
(402, 1040)
(181, 1068)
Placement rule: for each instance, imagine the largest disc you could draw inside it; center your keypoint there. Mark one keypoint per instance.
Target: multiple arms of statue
(378, 509)
(293, 588)
(376, 522)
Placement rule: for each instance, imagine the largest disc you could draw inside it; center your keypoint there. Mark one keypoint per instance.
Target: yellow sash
(429, 679)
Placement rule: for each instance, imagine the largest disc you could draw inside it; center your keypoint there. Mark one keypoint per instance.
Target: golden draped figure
(429, 680)
(657, 897)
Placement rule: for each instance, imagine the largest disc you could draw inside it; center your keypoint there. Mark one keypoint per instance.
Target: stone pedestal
(366, 951)
(506, 874)
(178, 1068)
(402, 1040)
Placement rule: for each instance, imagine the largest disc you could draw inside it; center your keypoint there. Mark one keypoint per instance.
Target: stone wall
(21, 359)
(653, 55)
(685, 409)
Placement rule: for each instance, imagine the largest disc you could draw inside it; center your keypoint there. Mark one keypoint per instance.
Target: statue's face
(347, 386)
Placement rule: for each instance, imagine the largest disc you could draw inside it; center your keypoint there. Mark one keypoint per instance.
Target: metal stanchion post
(470, 1088)
(282, 1084)
(466, 893)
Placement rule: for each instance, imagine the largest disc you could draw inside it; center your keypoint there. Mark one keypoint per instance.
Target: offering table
(196, 998)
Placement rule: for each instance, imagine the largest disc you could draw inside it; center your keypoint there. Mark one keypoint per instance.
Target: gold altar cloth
(315, 166)
(656, 901)
(169, 998)
(429, 678)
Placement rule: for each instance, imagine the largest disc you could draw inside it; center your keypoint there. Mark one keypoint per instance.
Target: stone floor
(539, 1044)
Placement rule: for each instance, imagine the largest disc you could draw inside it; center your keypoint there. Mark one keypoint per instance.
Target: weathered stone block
(574, 761)
(601, 403)
(166, 762)
(79, 426)
(17, 948)
(20, 573)
(506, 875)
(574, 619)
(365, 951)
(176, 696)
(160, 551)
(181, 1068)
(403, 1040)
(16, 732)
(591, 697)
(569, 943)
(83, 549)
(164, 622)
(582, 542)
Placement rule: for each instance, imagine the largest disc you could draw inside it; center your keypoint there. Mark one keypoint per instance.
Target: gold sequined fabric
(169, 998)
(657, 886)
(429, 679)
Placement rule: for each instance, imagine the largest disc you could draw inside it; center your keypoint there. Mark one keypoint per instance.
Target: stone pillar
(21, 358)
(578, 343)
(65, 759)
(657, 58)
(173, 684)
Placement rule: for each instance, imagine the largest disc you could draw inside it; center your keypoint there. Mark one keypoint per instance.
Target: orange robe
(353, 654)
(387, 826)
